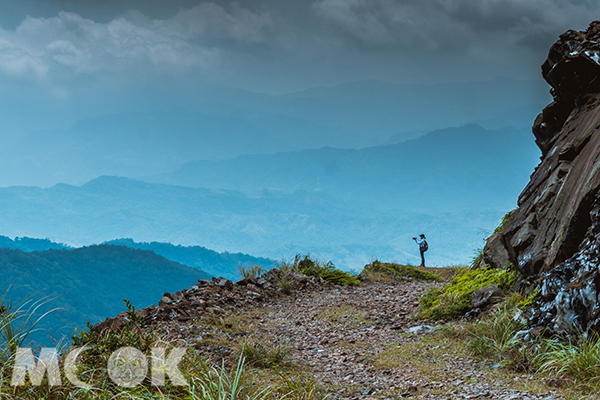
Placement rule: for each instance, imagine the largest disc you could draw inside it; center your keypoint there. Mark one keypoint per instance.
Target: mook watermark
(127, 367)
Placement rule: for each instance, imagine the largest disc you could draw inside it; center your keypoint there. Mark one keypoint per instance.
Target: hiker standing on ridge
(423, 247)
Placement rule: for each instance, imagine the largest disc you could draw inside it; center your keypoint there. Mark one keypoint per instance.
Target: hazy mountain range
(446, 170)
(345, 205)
(222, 123)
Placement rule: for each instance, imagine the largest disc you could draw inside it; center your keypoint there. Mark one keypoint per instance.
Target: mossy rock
(398, 272)
(454, 300)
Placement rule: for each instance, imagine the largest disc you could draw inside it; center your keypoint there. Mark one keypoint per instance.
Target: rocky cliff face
(553, 236)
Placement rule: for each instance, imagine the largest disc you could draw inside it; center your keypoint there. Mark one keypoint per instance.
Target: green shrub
(399, 272)
(101, 346)
(455, 299)
(326, 271)
(521, 300)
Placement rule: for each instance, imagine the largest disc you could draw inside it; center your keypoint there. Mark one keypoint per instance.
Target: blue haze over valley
(199, 135)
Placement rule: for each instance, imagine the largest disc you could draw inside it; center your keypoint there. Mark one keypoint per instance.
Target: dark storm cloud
(436, 23)
(320, 40)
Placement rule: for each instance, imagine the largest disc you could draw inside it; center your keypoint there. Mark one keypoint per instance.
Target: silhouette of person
(423, 247)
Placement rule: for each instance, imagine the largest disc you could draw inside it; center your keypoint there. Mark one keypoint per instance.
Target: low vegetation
(504, 221)
(573, 366)
(259, 368)
(243, 377)
(494, 337)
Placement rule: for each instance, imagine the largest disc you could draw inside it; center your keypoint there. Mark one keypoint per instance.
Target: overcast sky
(277, 46)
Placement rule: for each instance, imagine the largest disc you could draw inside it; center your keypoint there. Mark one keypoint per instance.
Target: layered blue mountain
(445, 170)
(222, 123)
(348, 206)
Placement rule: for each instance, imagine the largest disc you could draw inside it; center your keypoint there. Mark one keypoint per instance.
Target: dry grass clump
(264, 355)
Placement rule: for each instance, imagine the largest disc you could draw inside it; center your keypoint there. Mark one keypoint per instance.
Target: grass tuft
(477, 258)
(299, 387)
(493, 337)
(220, 384)
(264, 355)
(250, 273)
(579, 360)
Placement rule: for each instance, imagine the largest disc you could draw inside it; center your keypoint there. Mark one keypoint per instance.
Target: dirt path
(358, 343)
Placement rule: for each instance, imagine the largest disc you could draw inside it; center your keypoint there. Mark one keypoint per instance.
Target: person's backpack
(425, 245)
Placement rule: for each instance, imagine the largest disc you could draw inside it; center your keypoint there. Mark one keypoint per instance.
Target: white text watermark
(126, 367)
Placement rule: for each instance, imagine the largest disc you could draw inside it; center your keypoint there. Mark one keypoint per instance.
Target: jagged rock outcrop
(552, 237)
(214, 296)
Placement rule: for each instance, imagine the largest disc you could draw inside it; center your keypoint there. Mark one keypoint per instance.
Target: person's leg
(422, 257)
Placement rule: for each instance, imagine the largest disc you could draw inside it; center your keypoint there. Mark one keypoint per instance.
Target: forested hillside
(89, 283)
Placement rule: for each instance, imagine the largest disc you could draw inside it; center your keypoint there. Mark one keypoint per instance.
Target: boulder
(494, 252)
(225, 283)
(485, 296)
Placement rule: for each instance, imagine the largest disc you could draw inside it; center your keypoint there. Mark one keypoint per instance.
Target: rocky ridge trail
(354, 341)
(357, 342)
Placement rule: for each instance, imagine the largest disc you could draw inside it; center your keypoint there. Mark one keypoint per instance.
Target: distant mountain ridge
(221, 124)
(348, 206)
(208, 261)
(445, 170)
(27, 244)
(211, 262)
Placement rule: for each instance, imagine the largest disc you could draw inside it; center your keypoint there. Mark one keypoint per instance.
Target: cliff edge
(552, 237)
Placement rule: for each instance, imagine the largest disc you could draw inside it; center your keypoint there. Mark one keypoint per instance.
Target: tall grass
(219, 384)
(575, 362)
(579, 360)
(493, 337)
(18, 322)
